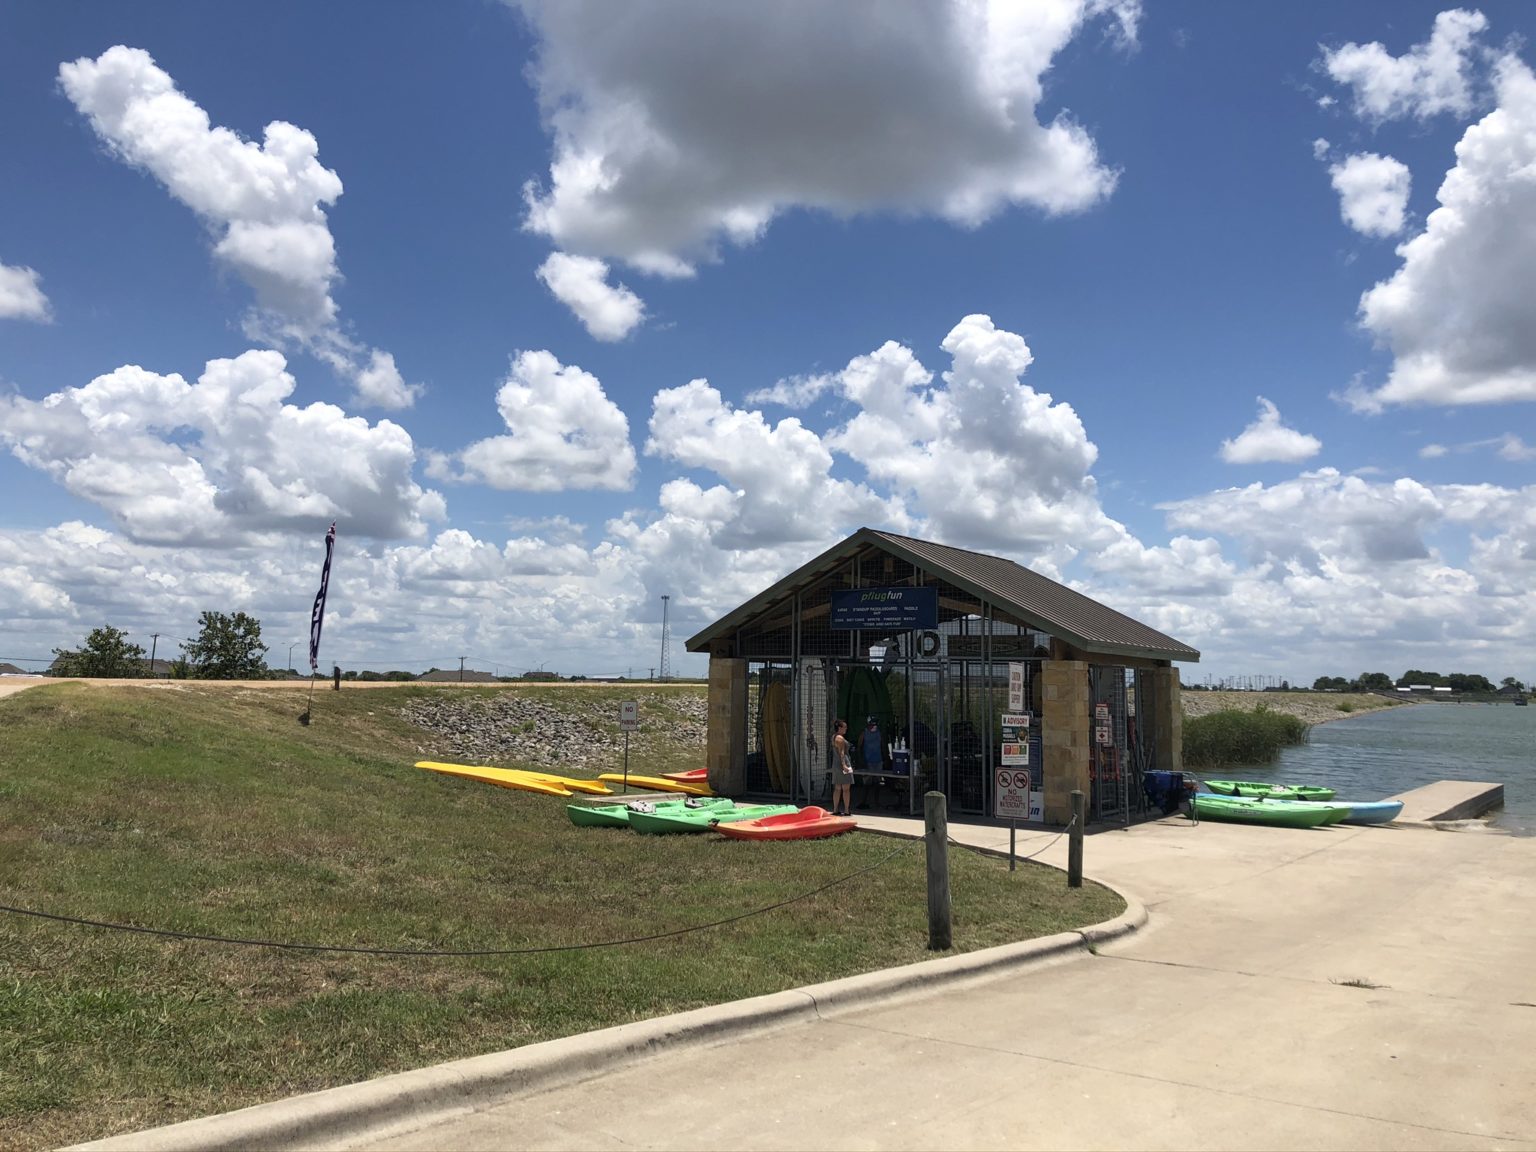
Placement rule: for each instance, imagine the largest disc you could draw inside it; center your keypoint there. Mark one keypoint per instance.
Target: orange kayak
(692, 776)
(657, 783)
(806, 824)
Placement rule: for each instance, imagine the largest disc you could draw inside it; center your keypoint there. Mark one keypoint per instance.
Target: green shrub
(1236, 737)
(1345, 706)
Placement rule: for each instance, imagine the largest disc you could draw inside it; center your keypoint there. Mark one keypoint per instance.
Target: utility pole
(154, 642)
(461, 669)
(666, 642)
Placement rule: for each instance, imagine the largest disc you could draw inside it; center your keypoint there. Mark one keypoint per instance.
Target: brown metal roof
(1032, 598)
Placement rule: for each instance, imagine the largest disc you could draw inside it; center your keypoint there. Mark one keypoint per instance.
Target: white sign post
(1010, 798)
(629, 721)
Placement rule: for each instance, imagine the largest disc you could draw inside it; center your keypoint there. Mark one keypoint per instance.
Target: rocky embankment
(1308, 707)
(571, 730)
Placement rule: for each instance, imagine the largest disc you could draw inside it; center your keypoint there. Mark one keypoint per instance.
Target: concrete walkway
(1332, 988)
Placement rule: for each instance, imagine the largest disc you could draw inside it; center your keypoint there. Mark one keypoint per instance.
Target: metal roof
(1032, 598)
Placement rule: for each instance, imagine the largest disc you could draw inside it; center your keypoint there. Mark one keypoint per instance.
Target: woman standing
(842, 773)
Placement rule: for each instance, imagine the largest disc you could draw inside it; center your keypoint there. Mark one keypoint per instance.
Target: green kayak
(1269, 791)
(1253, 810)
(701, 819)
(618, 815)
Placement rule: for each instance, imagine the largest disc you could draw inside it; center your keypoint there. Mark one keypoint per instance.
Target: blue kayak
(1371, 811)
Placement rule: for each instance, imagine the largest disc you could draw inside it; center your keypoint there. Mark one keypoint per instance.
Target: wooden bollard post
(936, 840)
(336, 678)
(1075, 841)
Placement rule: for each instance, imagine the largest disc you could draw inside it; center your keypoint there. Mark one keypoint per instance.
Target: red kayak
(806, 824)
(692, 776)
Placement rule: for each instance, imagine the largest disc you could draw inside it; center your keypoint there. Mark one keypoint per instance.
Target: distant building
(454, 676)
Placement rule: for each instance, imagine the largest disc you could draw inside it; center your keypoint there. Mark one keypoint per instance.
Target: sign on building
(1015, 743)
(884, 609)
(1015, 687)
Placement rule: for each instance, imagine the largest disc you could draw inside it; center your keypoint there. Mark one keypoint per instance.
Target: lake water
(1378, 754)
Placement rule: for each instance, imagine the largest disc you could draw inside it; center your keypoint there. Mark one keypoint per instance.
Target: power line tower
(666, 642)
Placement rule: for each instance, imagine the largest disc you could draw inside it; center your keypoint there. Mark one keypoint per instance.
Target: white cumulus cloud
(1459, 315)
(562, 433)
(581, 284)
(681, 126)
(264, 203)
(21, 294)
(1267, 440)
(1373, 193)
(222, 459)
(1430, 78)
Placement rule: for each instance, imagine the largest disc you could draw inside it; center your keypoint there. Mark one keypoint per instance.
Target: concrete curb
(407, 1101)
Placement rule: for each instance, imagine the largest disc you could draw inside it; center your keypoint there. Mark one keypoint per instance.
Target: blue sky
(1223, 314)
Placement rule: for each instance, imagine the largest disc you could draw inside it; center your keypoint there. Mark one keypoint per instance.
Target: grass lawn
(209, 809)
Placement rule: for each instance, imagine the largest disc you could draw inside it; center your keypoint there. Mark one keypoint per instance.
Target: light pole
(291, 647)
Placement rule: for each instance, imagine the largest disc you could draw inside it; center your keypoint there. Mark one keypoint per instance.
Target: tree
(1375, 682)
(227, 648)
(106, 653)
(1469, 682)
(1511, 682)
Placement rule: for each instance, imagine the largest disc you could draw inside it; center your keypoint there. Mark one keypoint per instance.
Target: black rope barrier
(428, 952)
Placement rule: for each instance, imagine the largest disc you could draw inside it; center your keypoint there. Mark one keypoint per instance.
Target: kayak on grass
(658, 784)
(692, 776)
(702, 819)
(618, 815)
(807, 824)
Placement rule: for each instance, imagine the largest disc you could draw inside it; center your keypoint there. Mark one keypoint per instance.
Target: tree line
(226, 647)
(1414, 677)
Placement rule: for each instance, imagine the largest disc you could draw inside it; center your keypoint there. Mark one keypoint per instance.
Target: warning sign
(629, 716)
(1012, 798)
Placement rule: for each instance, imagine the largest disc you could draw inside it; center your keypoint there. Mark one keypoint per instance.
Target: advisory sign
(885, 609)
(1015, 743)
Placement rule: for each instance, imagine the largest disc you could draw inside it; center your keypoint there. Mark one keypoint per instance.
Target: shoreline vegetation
(1238, 729)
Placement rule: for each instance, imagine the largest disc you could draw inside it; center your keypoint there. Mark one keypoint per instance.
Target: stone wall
(725, 754)
(1065, 735)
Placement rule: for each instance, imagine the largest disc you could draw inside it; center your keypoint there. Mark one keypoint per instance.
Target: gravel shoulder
(1308, 707)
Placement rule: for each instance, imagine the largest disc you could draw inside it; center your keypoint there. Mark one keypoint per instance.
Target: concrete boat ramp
(1449, 800)
(1342, 988)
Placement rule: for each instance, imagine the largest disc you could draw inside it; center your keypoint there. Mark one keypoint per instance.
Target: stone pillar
(1168, 719)
(725, 753)
(1064, 735)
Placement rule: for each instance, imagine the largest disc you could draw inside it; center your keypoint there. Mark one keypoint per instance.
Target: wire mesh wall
(769, 728)
(941, 693)
(1124, 742)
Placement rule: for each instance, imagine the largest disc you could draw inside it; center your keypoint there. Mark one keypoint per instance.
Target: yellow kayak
(504, 777)
(659, 784)
(575, 784)
(570, 783)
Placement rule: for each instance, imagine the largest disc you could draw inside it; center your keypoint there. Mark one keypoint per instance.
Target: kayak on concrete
(1256, 810)
(1268, 791)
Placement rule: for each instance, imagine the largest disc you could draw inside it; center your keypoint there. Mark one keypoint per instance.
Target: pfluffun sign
(885, 609)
